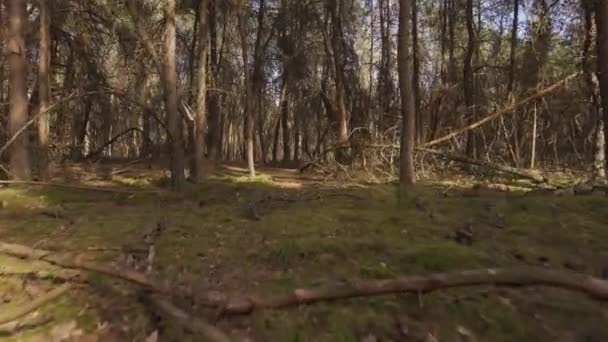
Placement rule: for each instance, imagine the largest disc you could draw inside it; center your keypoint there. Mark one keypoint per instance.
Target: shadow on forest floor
(283, 230)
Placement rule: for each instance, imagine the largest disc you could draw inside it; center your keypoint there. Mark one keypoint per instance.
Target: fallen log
(502, 168)
(234, 305)
(133, 277)
(526, 276)
(193, 325)
(80, 187)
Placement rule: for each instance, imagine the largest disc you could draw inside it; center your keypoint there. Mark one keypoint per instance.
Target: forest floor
(283, 230)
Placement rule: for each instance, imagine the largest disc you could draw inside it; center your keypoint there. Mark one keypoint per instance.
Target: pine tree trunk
(19, 152)
(174, 122)
(200, 120)
(44, 84)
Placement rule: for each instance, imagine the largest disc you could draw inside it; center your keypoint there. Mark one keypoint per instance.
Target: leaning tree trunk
(19, 153)
(200, 120)
(174, 122)
(602, 57)
(44, 84)
(407, 173)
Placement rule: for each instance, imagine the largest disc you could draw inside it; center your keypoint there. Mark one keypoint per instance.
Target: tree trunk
(341, 115)
(514, 28)
(416, 72)
(284, 103)
(595, 113)
(174, 122)
(468, 80)
(407, 173)
(19, 153)
(215, 113)
(44, 84)
(200, 120)
(602, 57)
(247, 110)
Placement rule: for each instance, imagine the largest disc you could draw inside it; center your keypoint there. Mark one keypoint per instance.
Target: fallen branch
(503, 111)
(136, 278)
(78, 187)
(10, 315)
(193, 325)
(19, 325)
(527, 276)
(502, 168)
(113, 140)
(523, 276)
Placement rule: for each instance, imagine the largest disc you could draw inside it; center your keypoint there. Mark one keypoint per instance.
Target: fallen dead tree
(508, 109)
(501, 168)
(230, 305)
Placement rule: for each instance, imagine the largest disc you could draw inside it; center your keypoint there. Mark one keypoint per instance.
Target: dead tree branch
(502, 168)
(503, 111)
(80, 187)
(522, 276)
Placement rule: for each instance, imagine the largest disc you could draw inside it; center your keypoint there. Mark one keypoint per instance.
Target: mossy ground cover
(306, 233)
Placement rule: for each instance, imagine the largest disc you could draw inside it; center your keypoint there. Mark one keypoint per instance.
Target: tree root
(10, 315)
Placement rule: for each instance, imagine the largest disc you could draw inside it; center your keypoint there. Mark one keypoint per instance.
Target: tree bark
(200, 120)
(595, 112)
(341, 115)
(284, 103)
(407, 173)
(215, 110)
(174, 121)
(416, 72)
(248, 109)
(602, 58)
(44, 84)
(512, 54)
(19, 163)
(468, 80)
